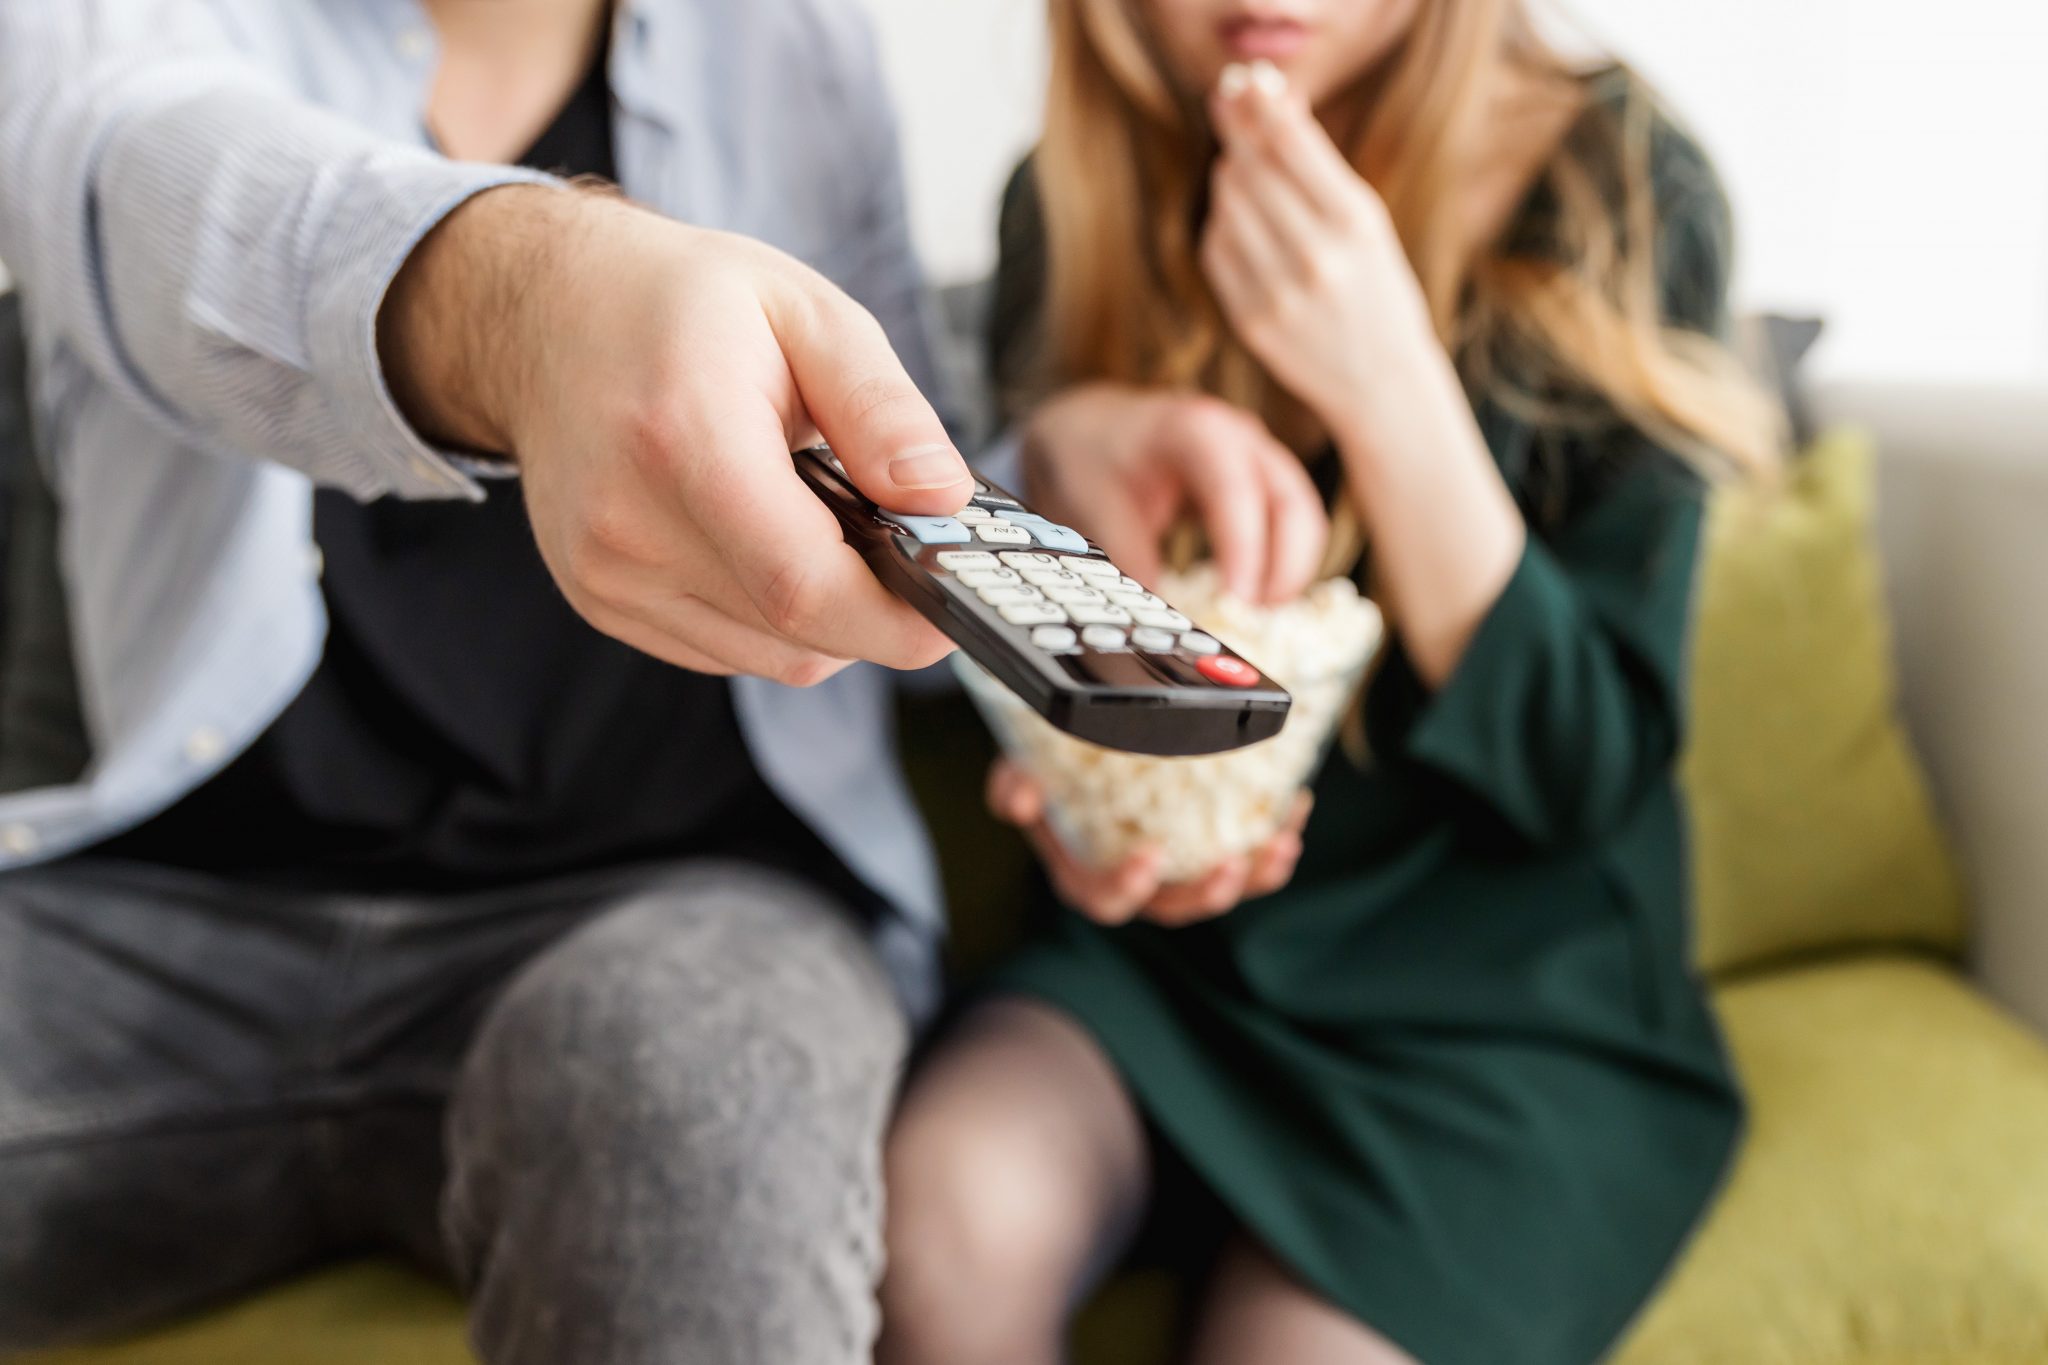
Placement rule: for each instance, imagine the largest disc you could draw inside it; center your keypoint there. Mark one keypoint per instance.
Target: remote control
(1045, 612)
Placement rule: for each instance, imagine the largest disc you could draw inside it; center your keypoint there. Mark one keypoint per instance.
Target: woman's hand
(1313, 278)
(1125, 464)
(1305, 260)
(1133, 890)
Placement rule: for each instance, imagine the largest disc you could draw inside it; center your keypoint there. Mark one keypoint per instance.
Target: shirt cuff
(1476, 728)
(398, 197)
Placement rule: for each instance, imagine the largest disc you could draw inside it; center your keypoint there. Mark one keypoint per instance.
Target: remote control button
(1092, 568)
(1102, 637)
(1124, 597)
(971, 514)
(989, 578)
(1067, 595)
(931, 530)
(1164, 620)
(1027, 559)
(1090, 614)
(961, 560)
(1001, 533)
(1045, 578)
(1158, 641)
(1195, 642)
(1009, 592)
(1054, 536)
(1053, 638)
(1033, 614)
(988, 497)
(1125, 583)
(1231, 672)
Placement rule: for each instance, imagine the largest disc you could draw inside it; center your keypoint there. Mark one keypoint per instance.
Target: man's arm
(212, 247)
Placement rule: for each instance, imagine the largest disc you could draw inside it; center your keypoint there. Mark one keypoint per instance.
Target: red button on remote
(1228, 671)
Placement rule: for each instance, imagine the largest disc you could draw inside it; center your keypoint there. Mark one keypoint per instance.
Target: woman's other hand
(1126, 464)
(1133, 889)
(1304, 258)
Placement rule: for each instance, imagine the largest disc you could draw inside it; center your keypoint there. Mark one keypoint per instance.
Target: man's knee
(725, 993)
(668, 1134)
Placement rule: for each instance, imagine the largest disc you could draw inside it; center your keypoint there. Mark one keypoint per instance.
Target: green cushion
(359, 1314)
(1812, 829)
(1891, 1205)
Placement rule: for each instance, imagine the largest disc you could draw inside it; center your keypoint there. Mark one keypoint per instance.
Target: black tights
(1017, 1175)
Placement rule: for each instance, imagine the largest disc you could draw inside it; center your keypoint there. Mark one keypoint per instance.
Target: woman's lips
(1249, 37)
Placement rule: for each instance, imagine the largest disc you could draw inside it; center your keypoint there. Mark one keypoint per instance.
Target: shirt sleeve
(209, 245)
(1566, 709)
(886, 276)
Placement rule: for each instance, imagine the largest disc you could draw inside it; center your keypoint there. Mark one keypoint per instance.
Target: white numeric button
(989, 578)
(1012, 592)
(1164, 620)
(1091, 568)
(1045, 578)
(972, 514)
(1002, 533)
(1124, 597)
(960, 560)
(1102, 637)
(1053, 637)
(1033, 614)
(1089, 614)
(1149, 637)
(1067, 596)
(1027, 559)
(1195, 642)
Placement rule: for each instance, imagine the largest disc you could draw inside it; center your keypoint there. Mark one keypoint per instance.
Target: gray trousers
(637, 1116)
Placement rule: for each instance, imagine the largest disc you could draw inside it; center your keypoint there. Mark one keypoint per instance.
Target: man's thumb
(864, 404)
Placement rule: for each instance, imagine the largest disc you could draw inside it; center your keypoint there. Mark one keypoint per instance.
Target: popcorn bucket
(1105, 803)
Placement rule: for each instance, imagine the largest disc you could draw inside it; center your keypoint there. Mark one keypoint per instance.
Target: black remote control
(1048, 615)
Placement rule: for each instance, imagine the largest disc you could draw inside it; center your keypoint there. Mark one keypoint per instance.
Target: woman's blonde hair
(1122, 173)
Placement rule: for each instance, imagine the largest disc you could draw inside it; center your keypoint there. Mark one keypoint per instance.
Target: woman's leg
(1257, 1312)
(1017, 1171)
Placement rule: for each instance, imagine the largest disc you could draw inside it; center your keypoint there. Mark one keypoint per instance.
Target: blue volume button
(1050, 534)
(932, 530)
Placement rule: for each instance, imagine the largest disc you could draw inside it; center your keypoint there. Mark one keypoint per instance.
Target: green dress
(1459, 1075)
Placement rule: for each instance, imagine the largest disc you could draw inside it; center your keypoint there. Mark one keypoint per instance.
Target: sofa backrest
(1963, 528)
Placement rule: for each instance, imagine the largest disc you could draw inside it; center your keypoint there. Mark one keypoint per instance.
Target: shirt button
(415, 44)
(19, 840)
(316, 561)
(204, 745)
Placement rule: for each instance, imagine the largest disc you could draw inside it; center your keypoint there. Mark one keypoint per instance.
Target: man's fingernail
(1268, 77)
(927, 467)
(1235, 80)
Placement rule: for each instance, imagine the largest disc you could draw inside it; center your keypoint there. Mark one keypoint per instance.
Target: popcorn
(1105, 804)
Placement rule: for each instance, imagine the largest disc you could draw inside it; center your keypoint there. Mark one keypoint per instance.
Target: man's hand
(651, 379)
(1126, 464)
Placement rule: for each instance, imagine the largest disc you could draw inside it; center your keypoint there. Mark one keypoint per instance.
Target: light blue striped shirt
(203, 202)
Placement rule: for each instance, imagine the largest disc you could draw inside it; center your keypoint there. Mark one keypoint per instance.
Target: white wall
(1890, 176)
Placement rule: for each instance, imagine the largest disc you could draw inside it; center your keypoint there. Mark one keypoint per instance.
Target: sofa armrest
(1963, 525)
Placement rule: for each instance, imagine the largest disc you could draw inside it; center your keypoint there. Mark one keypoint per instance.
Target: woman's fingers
(1109, 897)
(1273, 866)
(1300, 527)
(1214, 893)
(1014, 796)
(1272, 123)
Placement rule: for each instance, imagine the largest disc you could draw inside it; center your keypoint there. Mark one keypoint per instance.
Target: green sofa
(1891, 1204)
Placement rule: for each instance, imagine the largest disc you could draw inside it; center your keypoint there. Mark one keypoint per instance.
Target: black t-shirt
(465, 727)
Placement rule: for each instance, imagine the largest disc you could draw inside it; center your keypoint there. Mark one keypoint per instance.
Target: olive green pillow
(1812, 828)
